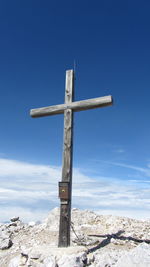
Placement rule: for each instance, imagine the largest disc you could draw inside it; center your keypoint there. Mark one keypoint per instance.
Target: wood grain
(65, 209)
(68, 109)
(98, 102)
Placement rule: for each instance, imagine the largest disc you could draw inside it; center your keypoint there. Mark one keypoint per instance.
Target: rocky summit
(96, 241)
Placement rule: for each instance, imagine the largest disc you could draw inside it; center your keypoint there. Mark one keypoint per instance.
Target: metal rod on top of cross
(65, 186)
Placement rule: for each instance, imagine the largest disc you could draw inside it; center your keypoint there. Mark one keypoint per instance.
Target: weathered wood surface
(65, 207)
(98, 102)
(68, 109)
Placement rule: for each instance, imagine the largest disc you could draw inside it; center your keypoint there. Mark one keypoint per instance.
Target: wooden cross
(65, 187)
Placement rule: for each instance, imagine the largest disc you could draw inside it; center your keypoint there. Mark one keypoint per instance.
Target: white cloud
(145, 171)
(119, 151)
(25, 213)
(31, 190)
(19, 169)
(136, 168)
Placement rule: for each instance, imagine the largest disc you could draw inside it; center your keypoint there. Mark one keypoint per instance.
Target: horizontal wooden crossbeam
(75, 106)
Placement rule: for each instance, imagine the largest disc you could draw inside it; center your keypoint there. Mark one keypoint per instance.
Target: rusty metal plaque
(64, 190)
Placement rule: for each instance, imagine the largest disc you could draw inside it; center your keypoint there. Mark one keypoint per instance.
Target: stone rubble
(96, 241)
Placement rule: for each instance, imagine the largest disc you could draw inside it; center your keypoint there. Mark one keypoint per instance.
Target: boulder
(14, 219)
(5, 243)
(139, 257)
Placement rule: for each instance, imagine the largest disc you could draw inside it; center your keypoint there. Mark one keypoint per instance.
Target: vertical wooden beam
(65, 205)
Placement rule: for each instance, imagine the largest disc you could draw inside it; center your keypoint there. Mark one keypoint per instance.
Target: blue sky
(39, 41)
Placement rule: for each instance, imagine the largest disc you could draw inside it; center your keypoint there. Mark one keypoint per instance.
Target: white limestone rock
(50, 262)
(110, 241)
(25, 251)
(31, 224)
(107, 258)
(5, 243)
(14, 262)
(137, 257)
(78, 260)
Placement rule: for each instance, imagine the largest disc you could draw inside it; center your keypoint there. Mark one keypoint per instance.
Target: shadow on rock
(116, 236)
